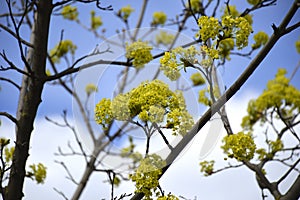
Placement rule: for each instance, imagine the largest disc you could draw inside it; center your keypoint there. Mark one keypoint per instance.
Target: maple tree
(217, 32)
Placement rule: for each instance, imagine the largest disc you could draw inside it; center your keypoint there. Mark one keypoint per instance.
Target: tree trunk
(30, 98)
(294, 192)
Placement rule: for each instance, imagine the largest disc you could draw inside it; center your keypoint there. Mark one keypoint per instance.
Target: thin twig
(10, 81)
(10, 117)
(70, 177)
(17, 28)
(15, 35)
(227, 167)
(61, 193)
(12, 65)
(288, 171)
(140, 19)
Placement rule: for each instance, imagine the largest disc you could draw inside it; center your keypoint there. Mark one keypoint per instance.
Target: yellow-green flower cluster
(197, 79)
(96, 21)
(164, 38)
(140, 52)
(179, 58)
(48, 72)
(153, 100)
(254, 2)
(207, 167)
(120, 107)
(276, 145)
(128, 152)
(225, 46)
(9, 152)
(238, 27)
(69, 12)
(297, 44)
(211, 52)
(61, 49)
(225, 35)
(196, 5)
(260, 39)
(159, 18)
(168, 197)
(125, 12)
(38, 172)
(232, 11)
(4, 141)
(243, 30)
(169, 65)
(146, 176)
(231, 31)
(90, 88)
(103, 113)
(273, 148)
(150, 101)
(209, 28)
(183, 118)
(203, 97)
(278, 94)
(240, 146)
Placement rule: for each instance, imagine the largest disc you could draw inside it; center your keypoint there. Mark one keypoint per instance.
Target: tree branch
(84, 66)
(10, 81)
(61, 193)
(12, 65)
(291, 28)
(288, 171)
(10, 117)
(70, 177)
(261, 4)
(293, 193)
(139, 23)
(15, 36)
(17, 29)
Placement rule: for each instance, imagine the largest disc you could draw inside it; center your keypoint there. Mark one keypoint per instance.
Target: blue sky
(56, 99)
(283, 55)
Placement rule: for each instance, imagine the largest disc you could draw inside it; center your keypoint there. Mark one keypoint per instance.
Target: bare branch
(287, 128)
(55, 122)
(61, 193)
(163, 136)
(68, 125)
(295, 70)
(122, 196)
(98, 4)
(288, 124)
(11, 65)
(288, 171)
(140, 19)
(70, 177)
(17, 28)
(261, 4)
(291, 28)
(61, 3)
(72, 70)
(10, 117)
(216, 7)
(227, 167)
(15, 35)
(10, 81)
